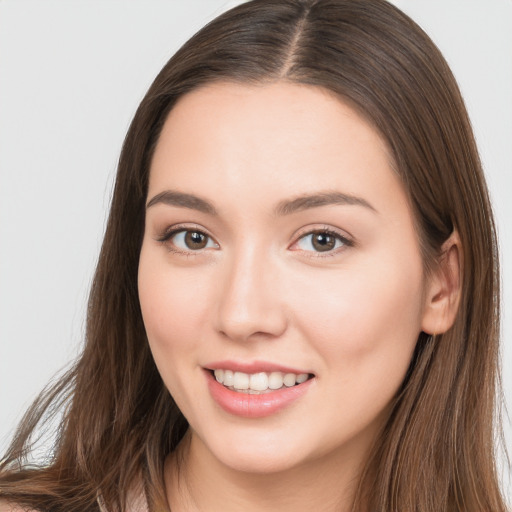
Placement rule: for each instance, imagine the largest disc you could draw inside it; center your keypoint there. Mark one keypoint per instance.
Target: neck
(197, 481)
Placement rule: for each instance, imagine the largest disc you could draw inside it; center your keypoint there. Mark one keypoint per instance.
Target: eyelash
(346, 242)
(169, 233)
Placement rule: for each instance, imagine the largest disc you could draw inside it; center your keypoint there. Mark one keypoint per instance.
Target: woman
(294, 305)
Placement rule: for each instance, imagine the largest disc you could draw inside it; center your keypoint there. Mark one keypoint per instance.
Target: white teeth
(258, 382)
(289, 380)
(303, 377)
(241, 380)
(228, 378)
(275, 380)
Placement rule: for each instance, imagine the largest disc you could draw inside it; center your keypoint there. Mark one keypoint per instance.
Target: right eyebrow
(175, 198)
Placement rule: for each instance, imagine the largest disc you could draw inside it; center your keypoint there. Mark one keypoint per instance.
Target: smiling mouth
(258, 383)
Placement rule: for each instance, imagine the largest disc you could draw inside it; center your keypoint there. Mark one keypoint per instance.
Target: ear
(443, 289)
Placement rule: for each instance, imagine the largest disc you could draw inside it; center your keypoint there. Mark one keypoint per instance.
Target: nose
(250, 304)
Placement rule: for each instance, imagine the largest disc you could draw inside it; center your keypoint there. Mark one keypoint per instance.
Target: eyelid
(346, 239)
(165, 237)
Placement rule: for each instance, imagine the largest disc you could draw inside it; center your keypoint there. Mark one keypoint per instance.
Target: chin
(259, 462)
(251, 451)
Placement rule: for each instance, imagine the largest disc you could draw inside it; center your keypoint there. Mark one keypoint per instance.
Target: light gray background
(71, 76)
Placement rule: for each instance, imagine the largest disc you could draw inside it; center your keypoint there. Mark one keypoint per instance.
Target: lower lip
(255, 406)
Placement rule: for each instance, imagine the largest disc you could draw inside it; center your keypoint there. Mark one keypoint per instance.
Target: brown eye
(195, 240)
(323, 242)
(186, 240)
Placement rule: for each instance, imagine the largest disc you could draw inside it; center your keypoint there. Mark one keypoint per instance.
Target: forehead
(247, 140)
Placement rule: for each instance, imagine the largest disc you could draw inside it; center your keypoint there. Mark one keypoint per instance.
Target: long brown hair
(436, 452)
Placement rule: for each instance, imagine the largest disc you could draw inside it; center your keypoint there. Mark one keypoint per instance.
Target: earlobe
(444, 288)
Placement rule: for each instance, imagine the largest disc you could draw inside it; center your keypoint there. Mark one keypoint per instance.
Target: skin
(259, 291)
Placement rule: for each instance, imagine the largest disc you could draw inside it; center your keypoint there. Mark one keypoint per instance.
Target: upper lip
(253, 367)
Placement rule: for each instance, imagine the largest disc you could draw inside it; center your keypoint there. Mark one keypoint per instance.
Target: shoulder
(12, 507)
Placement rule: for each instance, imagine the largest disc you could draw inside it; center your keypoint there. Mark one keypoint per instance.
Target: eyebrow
(175, 198)
(316, 200)
(285, 207)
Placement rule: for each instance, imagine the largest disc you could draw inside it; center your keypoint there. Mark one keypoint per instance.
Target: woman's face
(279, 246)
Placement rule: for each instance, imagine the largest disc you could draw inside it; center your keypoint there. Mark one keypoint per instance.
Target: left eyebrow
(305, 202)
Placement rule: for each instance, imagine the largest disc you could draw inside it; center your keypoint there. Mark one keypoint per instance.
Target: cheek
(364, 315)
(173, 305)
(363, 324)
